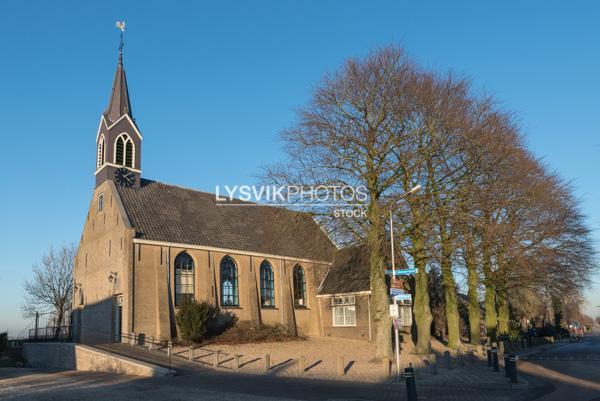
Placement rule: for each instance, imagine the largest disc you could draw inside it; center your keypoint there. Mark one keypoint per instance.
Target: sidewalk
(473, 382)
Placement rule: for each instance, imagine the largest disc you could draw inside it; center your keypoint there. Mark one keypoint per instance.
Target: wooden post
(216, 359)
(267, 362)
(151, 343)
(170, 348)
(340, 365)
(302, 365)
(236, 361)
(191, 353)
(132, 339)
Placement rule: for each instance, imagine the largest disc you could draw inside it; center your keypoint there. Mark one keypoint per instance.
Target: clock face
(125, 177)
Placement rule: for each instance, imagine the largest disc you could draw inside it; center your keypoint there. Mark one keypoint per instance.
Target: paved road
(573, 369)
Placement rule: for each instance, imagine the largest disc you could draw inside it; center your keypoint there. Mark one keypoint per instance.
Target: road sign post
(397, 339)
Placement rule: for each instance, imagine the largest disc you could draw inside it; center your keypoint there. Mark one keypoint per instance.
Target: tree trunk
(380, 301)
(452, 317)
(473, 283)
(59, 321)
(421, 308)
(503, 312)
(491, 318)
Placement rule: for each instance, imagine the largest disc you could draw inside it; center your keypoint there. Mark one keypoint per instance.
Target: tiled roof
(350, 271)
(162, 212)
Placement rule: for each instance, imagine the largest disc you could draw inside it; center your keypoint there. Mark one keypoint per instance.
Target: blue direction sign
(396, 291)
(400, 295)
(403, 297)
(403, 272)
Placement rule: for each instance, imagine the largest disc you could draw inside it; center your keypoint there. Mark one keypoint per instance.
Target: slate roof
(162, 212)
(118, 104)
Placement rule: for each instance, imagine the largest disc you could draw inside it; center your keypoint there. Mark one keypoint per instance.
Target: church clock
(125, 177)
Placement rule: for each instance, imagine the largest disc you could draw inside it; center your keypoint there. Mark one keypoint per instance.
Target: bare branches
(51, 287)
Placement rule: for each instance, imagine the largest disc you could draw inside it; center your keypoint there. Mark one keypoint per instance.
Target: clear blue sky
(213, 83)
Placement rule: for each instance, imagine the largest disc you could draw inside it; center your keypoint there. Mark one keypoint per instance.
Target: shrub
(220, 322)
(248, 332)
(193, 320)
(198, 321)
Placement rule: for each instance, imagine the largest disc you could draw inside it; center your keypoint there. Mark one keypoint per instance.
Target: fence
(51, 333)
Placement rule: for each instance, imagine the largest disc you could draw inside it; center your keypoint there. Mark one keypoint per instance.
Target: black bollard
(512, 361)
(495, 359)
(489, 356)
(529, 340)
(411, 385)
(507, 365)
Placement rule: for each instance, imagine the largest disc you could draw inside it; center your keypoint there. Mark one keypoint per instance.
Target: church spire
(119, 103)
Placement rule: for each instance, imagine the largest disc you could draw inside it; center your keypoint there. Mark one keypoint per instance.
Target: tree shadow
(314, 365)
(348, 367)
(249, 362)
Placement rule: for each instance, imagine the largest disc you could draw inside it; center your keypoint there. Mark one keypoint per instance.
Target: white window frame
(101, 152)
(126, 139)
(101, 202)
(344, 303)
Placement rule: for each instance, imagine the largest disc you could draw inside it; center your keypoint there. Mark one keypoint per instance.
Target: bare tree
(51, 288)
(347, 136)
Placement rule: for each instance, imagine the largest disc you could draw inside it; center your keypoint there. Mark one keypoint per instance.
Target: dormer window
(124, 151)
(101, 152)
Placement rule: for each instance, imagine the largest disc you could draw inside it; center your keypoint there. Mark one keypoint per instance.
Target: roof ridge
(182, 187)
(238, 200)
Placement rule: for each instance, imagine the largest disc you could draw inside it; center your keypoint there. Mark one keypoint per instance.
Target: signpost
(397, 290)
(402, 297)
(403, 272)
(397, 339)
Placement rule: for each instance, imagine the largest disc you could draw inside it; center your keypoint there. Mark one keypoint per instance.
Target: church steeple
(119, 103)
(118, 141)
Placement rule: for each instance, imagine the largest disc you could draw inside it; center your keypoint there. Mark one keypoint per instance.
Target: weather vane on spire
(121, 26)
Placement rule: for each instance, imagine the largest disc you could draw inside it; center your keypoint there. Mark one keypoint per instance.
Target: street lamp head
(415, 189)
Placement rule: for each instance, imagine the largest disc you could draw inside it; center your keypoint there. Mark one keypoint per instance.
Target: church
(147, 245)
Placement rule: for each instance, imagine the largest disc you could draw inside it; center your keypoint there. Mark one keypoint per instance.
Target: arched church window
(101, 150)
(124, 151)
(229, 282)
(299, 287)
(184, 278)
(267, 284)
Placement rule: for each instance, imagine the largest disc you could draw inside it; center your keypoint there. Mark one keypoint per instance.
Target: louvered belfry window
(124, 151)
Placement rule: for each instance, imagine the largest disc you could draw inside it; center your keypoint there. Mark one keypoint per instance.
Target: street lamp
(413, 190)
